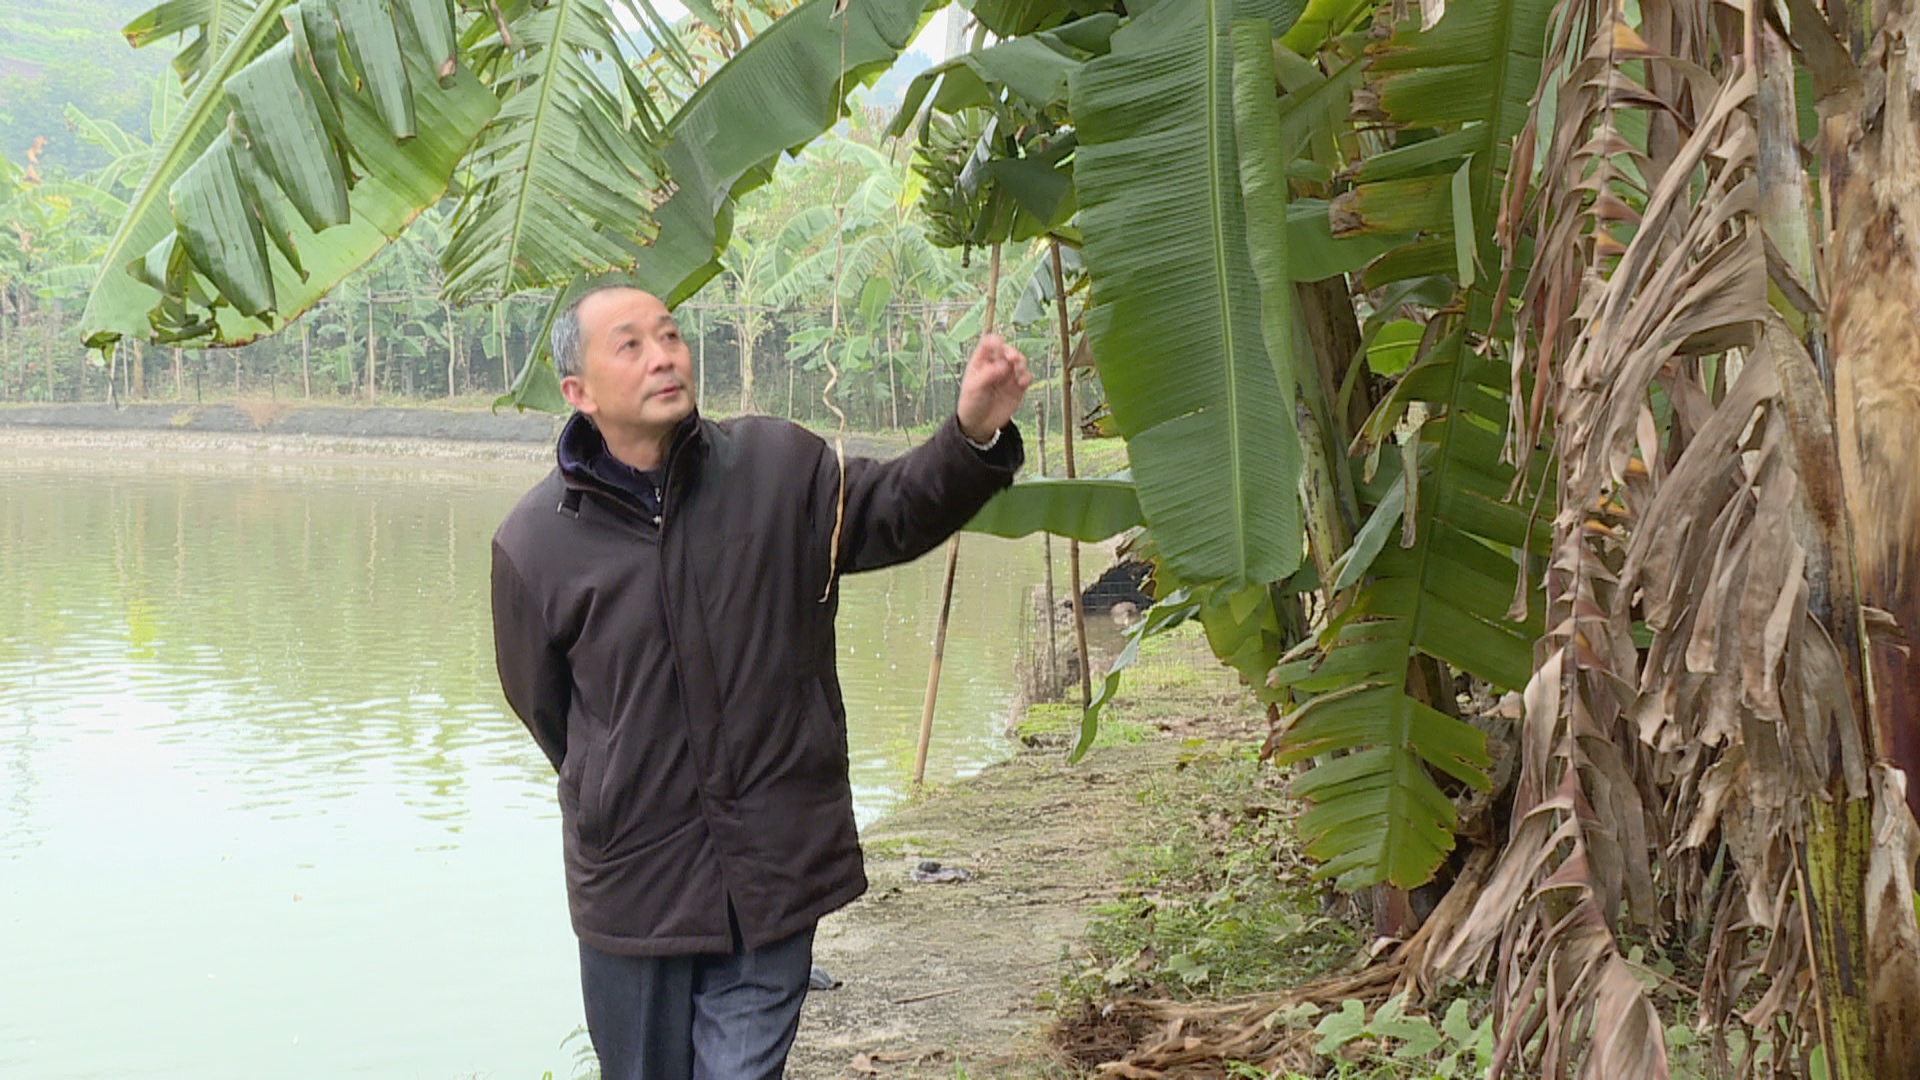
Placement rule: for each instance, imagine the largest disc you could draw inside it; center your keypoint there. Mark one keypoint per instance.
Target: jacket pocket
(825, 729)
(589, 797)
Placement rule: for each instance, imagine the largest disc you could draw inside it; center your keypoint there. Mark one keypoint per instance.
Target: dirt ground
(952, 980)
(935, 975)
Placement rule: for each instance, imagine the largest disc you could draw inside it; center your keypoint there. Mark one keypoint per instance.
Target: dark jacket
(680, 676)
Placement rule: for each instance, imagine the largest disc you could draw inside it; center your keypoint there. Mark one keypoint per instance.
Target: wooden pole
(500, 330)
(1066, 432)
(893, 382)
(453, 344)
(953, 561)
(373, 387)
(1046, 549)
(933, 671)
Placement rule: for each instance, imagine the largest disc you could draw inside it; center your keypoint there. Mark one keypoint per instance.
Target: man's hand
(990, 391)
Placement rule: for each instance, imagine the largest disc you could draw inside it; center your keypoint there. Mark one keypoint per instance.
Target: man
(663, 608)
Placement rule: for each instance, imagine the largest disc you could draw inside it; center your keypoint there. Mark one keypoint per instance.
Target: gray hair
(563, 342)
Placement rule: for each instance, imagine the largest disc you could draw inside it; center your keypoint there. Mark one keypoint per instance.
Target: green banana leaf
(1443, 590)
(118, 304)
(1033, 68)
(1086, 510)
(560, 179)
(753, 109)
(245, 201)
(722, 141)
(213, 24)
(1012, 18)
(1175, 317)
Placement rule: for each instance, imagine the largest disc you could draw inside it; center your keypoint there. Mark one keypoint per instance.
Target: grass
(1218, 901)
(899, 847)
(1057, 724)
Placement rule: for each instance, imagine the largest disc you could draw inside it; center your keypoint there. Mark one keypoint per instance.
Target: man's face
(636, 374)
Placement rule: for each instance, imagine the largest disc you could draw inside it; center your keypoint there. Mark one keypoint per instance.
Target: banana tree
(52, 227)
(1651, 300)
(316, 130)
(865, 251)
(704, 42)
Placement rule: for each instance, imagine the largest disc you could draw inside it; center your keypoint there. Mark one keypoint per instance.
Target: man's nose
(658, 356)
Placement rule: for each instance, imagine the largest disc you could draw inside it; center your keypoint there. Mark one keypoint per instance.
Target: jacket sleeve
(533, 666)
(899, 510)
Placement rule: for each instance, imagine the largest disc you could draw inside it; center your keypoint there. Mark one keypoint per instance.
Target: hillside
(53, 52)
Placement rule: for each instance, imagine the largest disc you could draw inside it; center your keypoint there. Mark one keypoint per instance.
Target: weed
(1057, 724)
(1395, 1042)
(1218, 902)
(897, 847)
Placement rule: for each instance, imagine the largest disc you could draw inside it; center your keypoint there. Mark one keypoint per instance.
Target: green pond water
(262, 809)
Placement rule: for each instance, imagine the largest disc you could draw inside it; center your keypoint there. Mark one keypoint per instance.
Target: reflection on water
(262, 810)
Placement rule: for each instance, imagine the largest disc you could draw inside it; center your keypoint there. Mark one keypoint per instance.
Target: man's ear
(574, 389)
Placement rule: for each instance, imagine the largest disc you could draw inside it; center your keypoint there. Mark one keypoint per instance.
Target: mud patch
(938, 977)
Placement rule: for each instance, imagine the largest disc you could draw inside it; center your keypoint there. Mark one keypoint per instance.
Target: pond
(262, 809)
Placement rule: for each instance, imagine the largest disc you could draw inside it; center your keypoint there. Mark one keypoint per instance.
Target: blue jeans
(724, 1017)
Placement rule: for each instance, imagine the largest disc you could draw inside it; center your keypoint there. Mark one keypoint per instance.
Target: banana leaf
(1086, 510)
(1175, 317)
(242, 200)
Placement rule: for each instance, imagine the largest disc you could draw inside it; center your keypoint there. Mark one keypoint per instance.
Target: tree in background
(51, 59)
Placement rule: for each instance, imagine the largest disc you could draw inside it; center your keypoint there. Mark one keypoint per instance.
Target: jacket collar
(581, 443)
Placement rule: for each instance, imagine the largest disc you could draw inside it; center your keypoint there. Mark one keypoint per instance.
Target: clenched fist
(995, 381)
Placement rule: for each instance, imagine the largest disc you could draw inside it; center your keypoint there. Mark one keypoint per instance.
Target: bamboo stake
(500, 329)
(373, 387)
(453, 343)
(953, 561)
(1046, 549)
(1066, 432)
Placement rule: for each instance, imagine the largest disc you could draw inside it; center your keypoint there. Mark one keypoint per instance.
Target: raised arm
(898, 510)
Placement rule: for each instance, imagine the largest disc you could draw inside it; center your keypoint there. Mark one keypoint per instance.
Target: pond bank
(287, 429)
(966, 979)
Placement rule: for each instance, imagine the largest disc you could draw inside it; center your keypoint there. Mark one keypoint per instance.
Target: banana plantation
(387, 331)
(1555, 352)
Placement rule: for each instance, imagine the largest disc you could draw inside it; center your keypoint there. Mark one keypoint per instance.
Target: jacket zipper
(661, 490)
(680, 441)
